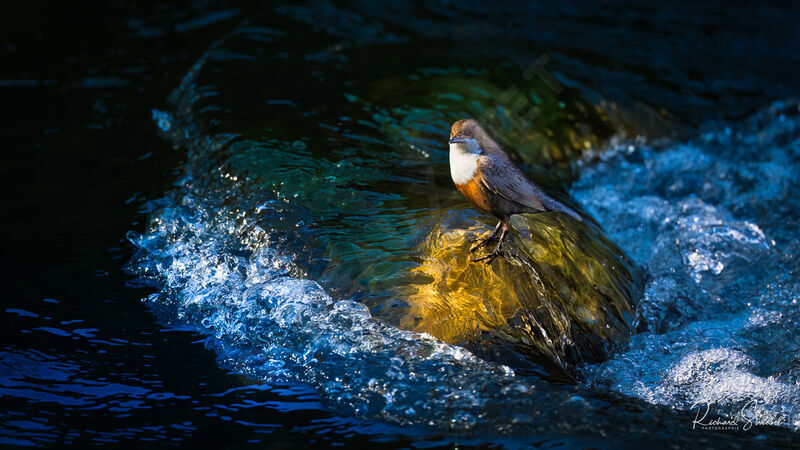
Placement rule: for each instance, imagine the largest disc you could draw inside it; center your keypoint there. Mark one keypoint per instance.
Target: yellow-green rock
(562, 292)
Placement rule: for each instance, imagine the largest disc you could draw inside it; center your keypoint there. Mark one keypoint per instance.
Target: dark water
(280, 195)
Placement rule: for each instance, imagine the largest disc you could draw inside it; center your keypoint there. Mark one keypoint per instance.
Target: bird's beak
(457, 140)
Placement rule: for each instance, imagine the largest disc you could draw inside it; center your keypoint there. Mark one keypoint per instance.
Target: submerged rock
(561, 295)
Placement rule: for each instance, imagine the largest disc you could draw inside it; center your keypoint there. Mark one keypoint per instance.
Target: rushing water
(314, 240)
(715, 219)
(279, 245)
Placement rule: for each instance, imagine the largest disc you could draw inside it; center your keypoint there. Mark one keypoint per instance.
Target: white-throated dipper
(485, 174)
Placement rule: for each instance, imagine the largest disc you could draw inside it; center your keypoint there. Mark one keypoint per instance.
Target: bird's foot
(504, 225)
(491, 256)
(482, 242)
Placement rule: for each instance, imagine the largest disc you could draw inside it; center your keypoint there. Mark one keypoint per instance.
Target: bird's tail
(554, 205)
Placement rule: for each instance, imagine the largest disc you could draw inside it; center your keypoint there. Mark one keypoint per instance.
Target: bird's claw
(490, 257)
(481, 243)
(496, 252)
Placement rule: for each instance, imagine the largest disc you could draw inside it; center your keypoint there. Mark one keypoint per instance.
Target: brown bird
(485, 174)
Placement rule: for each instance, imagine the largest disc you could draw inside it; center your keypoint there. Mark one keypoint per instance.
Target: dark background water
(83, 361)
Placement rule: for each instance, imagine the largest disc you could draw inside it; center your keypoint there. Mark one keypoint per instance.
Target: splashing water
(715, 220)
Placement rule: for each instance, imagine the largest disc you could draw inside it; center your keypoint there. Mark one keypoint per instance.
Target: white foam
(718, 308)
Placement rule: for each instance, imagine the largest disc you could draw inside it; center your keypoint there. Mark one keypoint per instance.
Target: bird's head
(466, 135)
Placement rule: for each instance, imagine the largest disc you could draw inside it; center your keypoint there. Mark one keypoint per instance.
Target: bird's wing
(508, 181)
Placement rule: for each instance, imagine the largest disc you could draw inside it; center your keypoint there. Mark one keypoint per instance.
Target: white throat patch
(464, 160)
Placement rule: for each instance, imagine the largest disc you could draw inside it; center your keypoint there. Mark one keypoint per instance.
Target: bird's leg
(496, 252)
(488, 239)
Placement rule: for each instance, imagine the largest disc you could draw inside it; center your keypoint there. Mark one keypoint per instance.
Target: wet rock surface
(561, 291)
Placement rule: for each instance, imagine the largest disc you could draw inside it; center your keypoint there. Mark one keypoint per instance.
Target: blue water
(268, 179)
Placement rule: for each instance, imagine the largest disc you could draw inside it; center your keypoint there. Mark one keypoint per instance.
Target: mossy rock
(562, 291)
